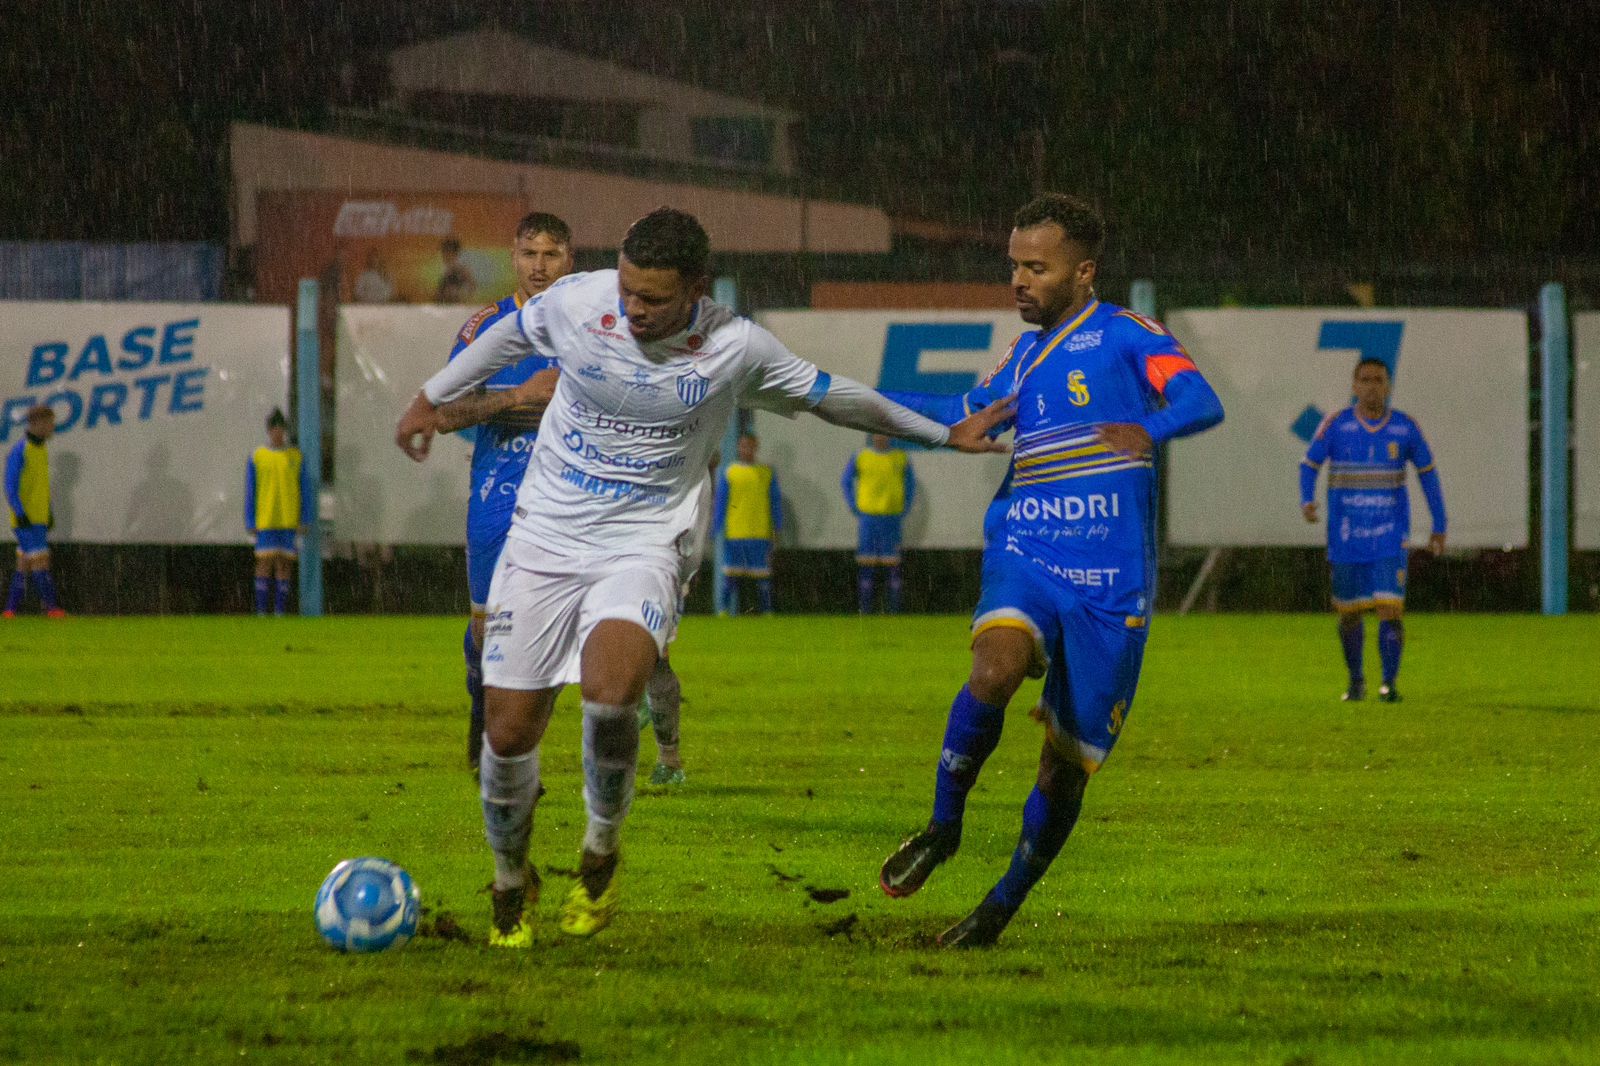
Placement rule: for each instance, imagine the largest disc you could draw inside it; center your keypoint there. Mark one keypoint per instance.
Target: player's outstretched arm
(526, 402)
(500, 345)
(851, 404)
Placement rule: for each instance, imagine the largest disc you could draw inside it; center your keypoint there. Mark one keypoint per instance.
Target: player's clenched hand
(971, 434)
(414, 433)
(1309, 510)
(1126, 438)
(1436, 543)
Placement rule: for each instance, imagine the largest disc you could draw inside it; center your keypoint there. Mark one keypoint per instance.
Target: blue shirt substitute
(501, 446)
(1369, 512)
(1083, 513)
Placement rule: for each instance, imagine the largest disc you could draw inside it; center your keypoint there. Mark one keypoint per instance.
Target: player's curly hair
(537, 222)
(1077, 219)
(669, 239)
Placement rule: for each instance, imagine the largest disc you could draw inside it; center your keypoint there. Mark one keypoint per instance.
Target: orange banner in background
(386, 247)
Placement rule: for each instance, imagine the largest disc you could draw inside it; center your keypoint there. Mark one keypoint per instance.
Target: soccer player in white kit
(586, 590)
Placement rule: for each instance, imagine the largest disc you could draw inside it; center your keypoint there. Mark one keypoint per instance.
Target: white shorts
(543, 606)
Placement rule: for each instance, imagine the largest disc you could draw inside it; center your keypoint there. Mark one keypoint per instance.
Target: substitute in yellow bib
(27, 484)
(749, 515)
(278, 497)
(878, 488)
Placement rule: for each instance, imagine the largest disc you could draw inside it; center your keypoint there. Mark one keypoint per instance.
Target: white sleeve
(500, 345)
(510, 340)
(849, 403)
(775, 379)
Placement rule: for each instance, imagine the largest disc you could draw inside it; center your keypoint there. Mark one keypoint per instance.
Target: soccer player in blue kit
(504, 417)
(1369, 517)
(1068, 582)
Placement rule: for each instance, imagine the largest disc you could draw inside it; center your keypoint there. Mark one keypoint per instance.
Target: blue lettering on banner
(905, 343)
(1371, 340)
(95, 402)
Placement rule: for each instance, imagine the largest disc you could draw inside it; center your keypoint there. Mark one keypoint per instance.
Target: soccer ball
(367, 905)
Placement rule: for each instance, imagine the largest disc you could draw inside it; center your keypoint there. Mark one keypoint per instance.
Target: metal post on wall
(308, 401)
(1555, 374)
(726, 292)
(1142, 297)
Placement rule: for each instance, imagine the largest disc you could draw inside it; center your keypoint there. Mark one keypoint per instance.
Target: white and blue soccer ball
(367, 905)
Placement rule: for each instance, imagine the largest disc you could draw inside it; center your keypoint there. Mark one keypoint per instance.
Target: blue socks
(474, 657)
(895, 588)
(970, 737)
(1351, 639)
(18, 589)
(1047, 821)
(45, 586)
(764, 591)
(1391, 640)
(282, 603)
(866, 597)
(730, 595)
(263, 591)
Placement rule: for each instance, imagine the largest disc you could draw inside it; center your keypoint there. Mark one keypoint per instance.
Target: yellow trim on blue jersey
(1376, 426)
(1314, 466)
(1143, 323)
(1425, 469)
(1038, 479)
(1071, 453)
(1066, 331)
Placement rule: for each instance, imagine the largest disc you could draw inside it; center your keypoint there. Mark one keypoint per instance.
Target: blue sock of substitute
(474, 657)
(730, 594)
(970, 737)
(1352, 637)
(865, 589)
(895, 589)
(764, 590)
(1391, 641)
(1046, 823)
(45, 586)
(18, 589)
(263, 593)
(281, 603)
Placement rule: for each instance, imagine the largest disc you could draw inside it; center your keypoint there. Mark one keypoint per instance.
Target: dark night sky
(1418, 129)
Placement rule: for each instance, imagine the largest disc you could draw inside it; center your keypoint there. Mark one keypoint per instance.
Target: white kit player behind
(586, 590)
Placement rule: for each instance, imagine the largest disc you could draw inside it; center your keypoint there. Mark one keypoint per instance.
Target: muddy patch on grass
(497, 1047)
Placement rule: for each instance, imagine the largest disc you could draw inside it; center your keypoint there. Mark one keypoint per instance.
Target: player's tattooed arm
(521, 407)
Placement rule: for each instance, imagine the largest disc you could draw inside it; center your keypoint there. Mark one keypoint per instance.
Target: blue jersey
(500, 446)
(1369, 512)
(1073, 507)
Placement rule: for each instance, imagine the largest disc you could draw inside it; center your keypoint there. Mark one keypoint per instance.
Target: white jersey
(621, 456)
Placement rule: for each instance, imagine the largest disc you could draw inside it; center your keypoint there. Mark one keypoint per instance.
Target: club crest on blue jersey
(692, 388)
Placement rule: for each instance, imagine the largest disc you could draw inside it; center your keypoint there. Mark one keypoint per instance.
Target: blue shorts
(275, 540)
(1357, 585)
(879, 544)
(748, 558)
(483, 552)
(32, 540)
(1090, 657)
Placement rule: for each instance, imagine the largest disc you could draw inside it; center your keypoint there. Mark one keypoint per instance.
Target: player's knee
(1349, 618)
(1061, 778)
(995, 679)
(1390, 612)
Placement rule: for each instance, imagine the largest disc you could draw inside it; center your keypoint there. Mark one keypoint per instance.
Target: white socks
(510, 788)
(610, 757)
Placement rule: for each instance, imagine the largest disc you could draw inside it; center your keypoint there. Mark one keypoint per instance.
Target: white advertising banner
(1463, 375)
(1586, 431)
(385, 353)
(157, 407)
(914, 351)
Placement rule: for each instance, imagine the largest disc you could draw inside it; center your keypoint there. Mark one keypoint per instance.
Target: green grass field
(1262, 874)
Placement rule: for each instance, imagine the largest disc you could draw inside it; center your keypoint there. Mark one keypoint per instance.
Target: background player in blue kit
(1068, 581)
(1369, 517)
(879, 489)
(503, 416)
(748, 512)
